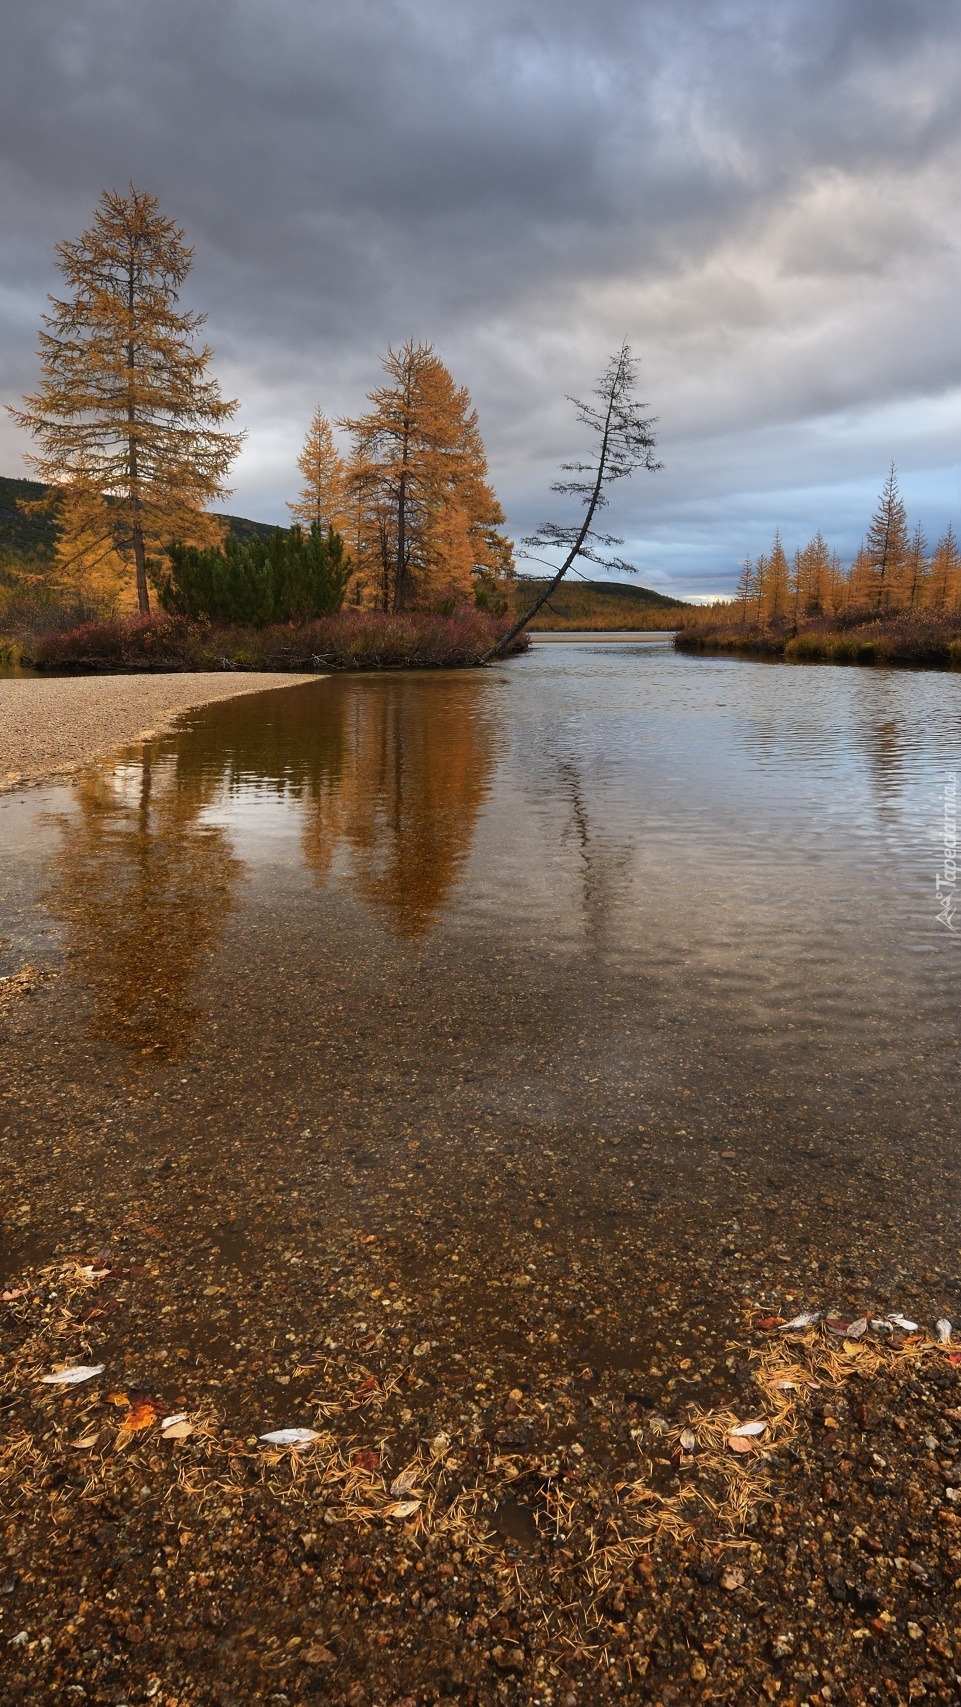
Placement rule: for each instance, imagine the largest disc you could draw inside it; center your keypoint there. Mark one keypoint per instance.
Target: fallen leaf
(853, 1348)
(299, 1437)
(178, 1417)
(403, 1508)
(12, 1293)
(903, 1323)
(688, 1439)
(806, 1320)
(954, 1356)
(366, 1459)
(740, 1443)
(141, 1415)
(407, 1480)
(76, 1372)
(84, 1443)
(178, 1430)
(120, 1399)
(858, 1328)
(837, 1324)
(767, 1323)
(749, 1428)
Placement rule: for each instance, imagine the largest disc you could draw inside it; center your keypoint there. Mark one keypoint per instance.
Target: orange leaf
(140, 1416)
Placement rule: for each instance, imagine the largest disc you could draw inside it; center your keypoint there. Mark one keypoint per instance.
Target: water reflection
(388, 772)
(417, 762)
(143, 886)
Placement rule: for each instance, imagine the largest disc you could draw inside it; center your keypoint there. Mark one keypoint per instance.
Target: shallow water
(607, 951)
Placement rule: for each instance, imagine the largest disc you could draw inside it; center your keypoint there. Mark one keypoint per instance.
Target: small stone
(698, 1670)
(915, 1632)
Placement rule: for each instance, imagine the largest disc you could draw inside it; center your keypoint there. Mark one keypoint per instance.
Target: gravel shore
(53, 725)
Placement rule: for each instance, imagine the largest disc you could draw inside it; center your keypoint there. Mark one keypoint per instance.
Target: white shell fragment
(688, 1439)
(299, 1437)
(403, 1508)
(749, 1428)
(943, 1330)
(76, 1372)
(903, 1323)
(806, 1320)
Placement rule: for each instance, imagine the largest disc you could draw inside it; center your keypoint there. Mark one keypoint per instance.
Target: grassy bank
(921, 638)
(351, 640)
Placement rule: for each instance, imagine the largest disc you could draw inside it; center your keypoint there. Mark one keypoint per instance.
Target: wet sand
(52, 725)
(500, 1191)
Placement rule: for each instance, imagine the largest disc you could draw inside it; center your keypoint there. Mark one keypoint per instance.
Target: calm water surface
(638, 950)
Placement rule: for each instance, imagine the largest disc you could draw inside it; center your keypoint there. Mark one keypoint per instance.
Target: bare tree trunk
(401, 540)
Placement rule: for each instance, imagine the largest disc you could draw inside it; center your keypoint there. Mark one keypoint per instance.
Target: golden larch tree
(916, 569)
(887, 547)
(131, 428)
(424, 516)
(776, 580)
(322, 501)
(944, 586)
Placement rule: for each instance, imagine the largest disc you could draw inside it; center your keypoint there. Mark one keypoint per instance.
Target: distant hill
(35, 536)
(596, 605)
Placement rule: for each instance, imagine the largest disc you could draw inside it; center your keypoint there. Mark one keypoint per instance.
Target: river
(606, 955)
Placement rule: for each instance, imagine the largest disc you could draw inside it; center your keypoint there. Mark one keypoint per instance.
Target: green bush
(288, 577)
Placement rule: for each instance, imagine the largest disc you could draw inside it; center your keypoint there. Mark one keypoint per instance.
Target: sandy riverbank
(52, 725)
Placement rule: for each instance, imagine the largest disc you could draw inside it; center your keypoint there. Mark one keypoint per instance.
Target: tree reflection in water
(388, 772)
(417, 760)
(143, 886)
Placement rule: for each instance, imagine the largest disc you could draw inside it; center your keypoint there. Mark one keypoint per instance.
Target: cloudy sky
(761, 195)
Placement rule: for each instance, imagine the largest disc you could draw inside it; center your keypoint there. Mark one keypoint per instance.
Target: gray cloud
(764, 198)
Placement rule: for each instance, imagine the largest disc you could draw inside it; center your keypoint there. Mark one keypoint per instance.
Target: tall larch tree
(944, 586)
(322, 500)
(744, 592)
(815, 576)
(887, 546)
(423, 510)
(916, 568)
(130, 427)
(776, 580)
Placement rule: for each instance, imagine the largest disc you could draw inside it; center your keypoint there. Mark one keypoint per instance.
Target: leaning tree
(625, 443)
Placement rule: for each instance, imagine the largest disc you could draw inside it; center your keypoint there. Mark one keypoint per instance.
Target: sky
(761, 197)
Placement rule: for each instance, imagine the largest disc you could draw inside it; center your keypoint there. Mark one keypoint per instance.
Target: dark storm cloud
(762, 197)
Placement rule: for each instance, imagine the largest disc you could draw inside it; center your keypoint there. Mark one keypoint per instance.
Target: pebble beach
(50, 726)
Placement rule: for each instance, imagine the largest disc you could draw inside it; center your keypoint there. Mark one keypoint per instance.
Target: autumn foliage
(129, 426)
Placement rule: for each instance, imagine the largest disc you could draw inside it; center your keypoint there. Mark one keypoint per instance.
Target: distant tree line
(894, 570)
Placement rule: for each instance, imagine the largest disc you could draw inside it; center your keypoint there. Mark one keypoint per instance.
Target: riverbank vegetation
(344, 640)
(897, 602)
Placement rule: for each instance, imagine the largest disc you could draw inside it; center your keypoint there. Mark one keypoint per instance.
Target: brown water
(615, 965)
